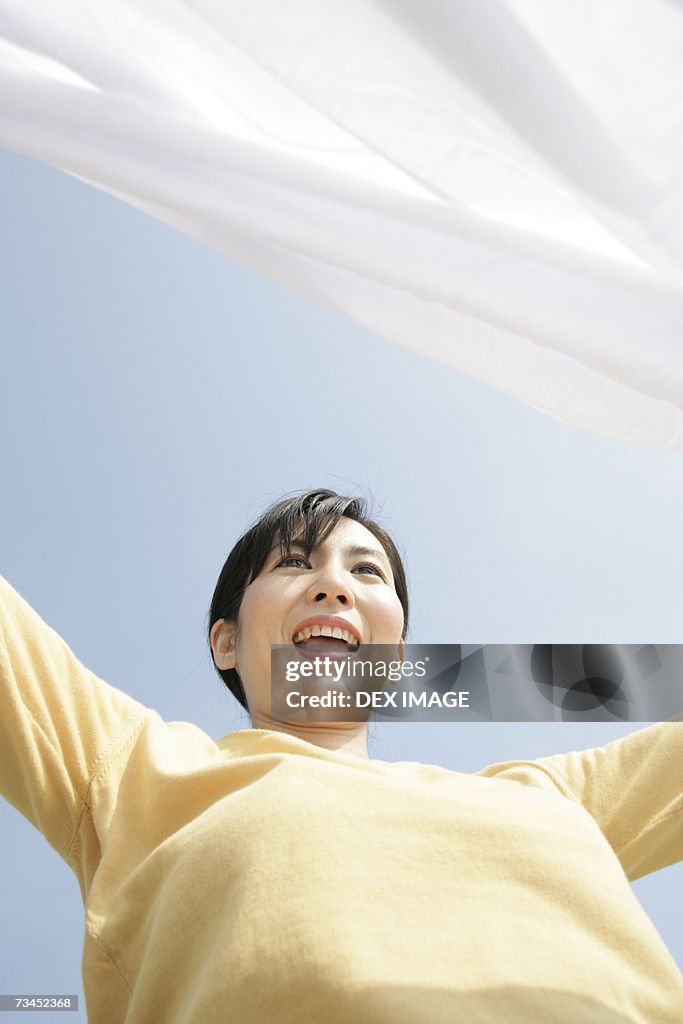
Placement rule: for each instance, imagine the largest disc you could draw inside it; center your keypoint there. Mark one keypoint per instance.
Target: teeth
(337, 632)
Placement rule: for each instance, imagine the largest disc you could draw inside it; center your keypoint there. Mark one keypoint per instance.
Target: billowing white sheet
(497, 185)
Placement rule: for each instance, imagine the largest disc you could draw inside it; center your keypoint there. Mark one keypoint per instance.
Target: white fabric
(497, 185)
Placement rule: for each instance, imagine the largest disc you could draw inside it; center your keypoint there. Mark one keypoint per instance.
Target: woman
(280, 875)
(342, 570)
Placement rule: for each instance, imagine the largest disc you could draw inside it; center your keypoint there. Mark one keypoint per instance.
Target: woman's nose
(332, 588)
(322, 595)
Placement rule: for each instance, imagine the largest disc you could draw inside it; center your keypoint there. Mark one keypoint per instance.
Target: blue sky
(157, 396)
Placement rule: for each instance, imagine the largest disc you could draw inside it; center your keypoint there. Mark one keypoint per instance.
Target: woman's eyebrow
(294, 544)
(360, 552)
(277, 549)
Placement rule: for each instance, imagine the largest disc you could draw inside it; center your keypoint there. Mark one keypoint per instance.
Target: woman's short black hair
(307, 517)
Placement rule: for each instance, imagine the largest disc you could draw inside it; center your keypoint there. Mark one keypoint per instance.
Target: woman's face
(348, 576)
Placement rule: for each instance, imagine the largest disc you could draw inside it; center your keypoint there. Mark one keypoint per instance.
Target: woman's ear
(223, 639)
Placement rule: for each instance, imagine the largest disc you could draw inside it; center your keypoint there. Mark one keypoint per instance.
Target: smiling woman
(280, 875)
(315, 571)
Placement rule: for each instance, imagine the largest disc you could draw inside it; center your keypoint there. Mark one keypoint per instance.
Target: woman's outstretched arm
(58, 721)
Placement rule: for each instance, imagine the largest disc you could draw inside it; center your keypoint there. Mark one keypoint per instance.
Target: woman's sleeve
(633, 787)
(58, 722)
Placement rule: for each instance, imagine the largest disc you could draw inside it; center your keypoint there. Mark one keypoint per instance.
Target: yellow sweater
(260, 879)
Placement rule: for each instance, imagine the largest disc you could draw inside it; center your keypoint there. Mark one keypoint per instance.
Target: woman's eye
(290, 559)
(373, 569)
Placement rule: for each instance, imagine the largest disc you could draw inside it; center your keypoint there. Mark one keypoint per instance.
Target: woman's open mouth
(326, 640)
